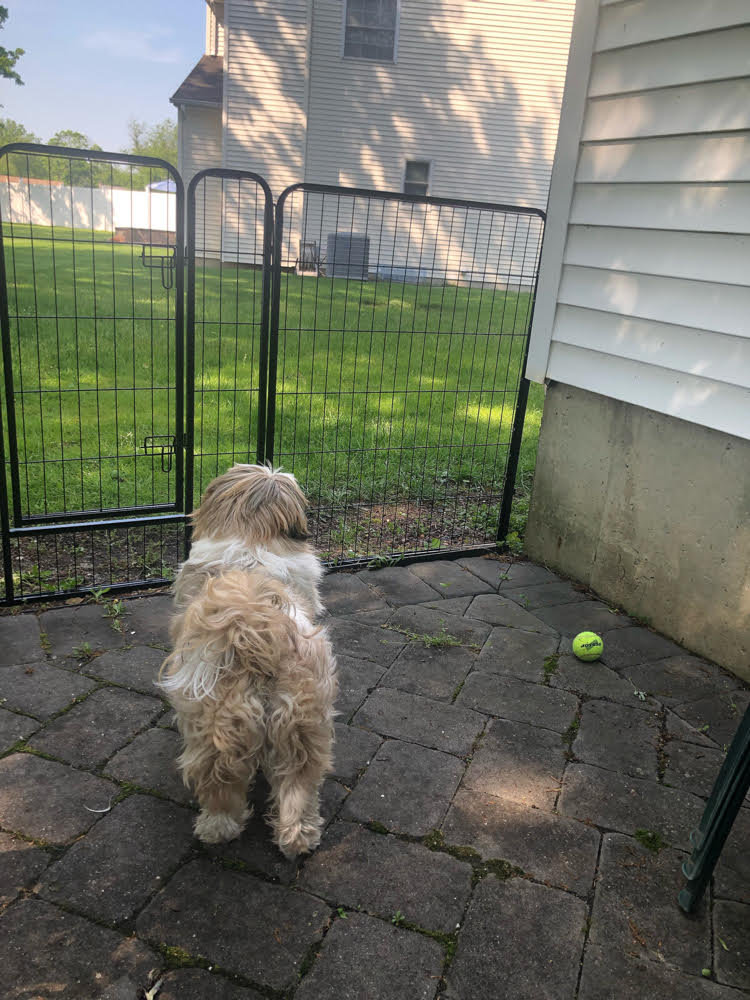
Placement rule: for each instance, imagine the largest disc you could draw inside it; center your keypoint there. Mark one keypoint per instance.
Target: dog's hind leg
(219, 761)
(224, 810)
(296, 760)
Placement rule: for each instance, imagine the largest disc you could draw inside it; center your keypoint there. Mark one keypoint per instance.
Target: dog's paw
(216, 828)
(301, 838)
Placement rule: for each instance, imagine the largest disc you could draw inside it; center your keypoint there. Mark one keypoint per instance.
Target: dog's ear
(299, 532)
(282, 507)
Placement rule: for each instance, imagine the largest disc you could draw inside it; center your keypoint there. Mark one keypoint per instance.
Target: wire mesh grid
(230, 218)
(371, 343)
(399, 331)
(92, 299)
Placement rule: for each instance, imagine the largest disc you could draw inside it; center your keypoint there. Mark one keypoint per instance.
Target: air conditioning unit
(348, 256)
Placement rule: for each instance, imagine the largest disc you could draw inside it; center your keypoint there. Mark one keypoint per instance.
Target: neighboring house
(642, 322)
(453, 98)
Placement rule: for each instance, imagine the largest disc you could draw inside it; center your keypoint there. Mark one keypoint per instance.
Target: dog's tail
(240, 624)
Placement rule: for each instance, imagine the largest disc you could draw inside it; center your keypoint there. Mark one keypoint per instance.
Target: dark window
(370, 29)
(416, 177)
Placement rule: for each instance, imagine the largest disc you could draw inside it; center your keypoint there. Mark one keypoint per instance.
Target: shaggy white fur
(251, 678)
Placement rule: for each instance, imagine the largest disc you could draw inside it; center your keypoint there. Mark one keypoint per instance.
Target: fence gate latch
(164, 445)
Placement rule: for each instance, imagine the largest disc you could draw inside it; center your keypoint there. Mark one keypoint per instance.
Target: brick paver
(420, 720)
(449, 579)
(518, 762)
(619, 738)
(364, 957)
(397, 586)
(620, 802)
(93, 730)
(41, 689)
(14, 728)
(511, 698)
(527, 937)
(113, 871)
(634, 906)
(517, 653)
(46, 952)
(69, 630)
(406, 788)
(550, 848)
(136, 668)
(20, 864)
(45, 800)
(481, 824)
(435, 622)
(383, 875)
(353, 751)
(250, 927)
(197, 984)
(357, 678)
(20, 640)
(150, 762)
(433, 672)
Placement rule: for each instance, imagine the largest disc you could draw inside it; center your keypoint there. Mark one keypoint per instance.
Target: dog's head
(252, 502)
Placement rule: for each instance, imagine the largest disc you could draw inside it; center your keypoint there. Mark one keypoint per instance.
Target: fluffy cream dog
(251, 678)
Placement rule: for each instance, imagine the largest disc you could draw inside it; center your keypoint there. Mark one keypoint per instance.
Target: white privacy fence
(103, 209)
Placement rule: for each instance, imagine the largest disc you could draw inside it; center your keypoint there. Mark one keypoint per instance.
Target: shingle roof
(203, 85)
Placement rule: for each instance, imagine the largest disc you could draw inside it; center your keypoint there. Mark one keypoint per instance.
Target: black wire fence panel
(371, 343)
(92, 345)
(230, 228)
(399, 332)
(82, 557)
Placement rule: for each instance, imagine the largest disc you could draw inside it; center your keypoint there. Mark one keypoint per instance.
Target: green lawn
(386, 392)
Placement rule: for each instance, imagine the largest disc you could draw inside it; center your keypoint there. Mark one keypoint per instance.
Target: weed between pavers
(178, 958)
(441, 640)
(568, 737)
(551, 664)
(481, 868)
(650, 839)
(85, 653)
(114, 608)
(381, 562)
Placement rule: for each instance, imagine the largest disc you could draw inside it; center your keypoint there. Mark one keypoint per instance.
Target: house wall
(651, 512)
(200, 148)
(644, 291)
(642, 321)
(265, 88)
(215, 30)
(475, 89)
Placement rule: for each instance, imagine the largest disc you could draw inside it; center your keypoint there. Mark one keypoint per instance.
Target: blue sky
(90, 65)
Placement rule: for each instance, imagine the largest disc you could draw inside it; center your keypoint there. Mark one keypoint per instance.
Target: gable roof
(203, 85)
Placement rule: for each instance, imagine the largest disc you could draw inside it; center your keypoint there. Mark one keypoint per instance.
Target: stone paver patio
(503, 820)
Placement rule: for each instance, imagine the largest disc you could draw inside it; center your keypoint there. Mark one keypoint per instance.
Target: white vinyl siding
(200, 148)
(476, 90)
(200, 140)
(647, 296)
(265, 88)
(214, 31)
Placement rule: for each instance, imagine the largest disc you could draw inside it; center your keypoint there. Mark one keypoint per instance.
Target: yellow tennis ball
(588, 646)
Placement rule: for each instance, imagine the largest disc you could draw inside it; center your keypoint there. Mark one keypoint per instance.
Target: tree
(71, 139)
(17, 164)
(158, 140)
(11, 131)
(8, 57)
(83, 173)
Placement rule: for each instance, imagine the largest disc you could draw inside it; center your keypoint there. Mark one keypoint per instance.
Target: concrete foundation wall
(651, 512)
